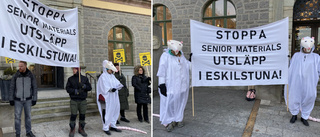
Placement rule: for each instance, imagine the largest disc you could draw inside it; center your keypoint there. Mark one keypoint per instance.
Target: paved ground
(217, 113)
(93, 126)
(273, 121)
(225, 113)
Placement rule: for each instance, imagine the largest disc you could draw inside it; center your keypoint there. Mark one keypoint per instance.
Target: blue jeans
(18, 106)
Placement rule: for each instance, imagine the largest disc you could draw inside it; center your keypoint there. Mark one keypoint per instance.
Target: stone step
(53, 99)
(59, 116)
(56, 102)
(57, 109)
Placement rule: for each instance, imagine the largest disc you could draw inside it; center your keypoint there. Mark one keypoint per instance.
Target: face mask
(175, 46)
(307, 43)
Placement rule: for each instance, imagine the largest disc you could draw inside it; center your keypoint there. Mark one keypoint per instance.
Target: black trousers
(122, 113)
(145, 111)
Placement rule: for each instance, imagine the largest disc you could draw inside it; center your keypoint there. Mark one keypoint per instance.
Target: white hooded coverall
(112, 105)
(303, 81)
(174, 72)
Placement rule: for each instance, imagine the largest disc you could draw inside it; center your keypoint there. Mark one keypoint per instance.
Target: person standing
(23, 94)
(303, 79)
(123, 93)
(108, 98)
(173, 74)
(78, 92)
(141, 92)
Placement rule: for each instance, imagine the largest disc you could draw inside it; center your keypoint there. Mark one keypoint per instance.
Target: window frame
(123, 41)
(225, 12)
(164, 21)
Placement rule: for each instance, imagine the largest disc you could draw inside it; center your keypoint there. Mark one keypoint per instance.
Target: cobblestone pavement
(93, 127)
(273, 121)
(217, 113)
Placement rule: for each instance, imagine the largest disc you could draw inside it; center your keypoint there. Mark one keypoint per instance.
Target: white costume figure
(303, 81)
(108, 87)
(173, 76)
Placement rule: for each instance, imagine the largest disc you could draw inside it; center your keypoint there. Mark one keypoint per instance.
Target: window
(306, 22)
(119, 38)
(163, 18)
(220, 13)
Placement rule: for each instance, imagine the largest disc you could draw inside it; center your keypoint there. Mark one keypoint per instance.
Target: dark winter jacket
(73, 84)
(23, 87)
(123, 92)
(141, 89)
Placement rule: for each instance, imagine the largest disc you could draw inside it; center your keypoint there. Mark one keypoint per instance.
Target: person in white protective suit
(303, 81)
(107, 97)
(173, 77)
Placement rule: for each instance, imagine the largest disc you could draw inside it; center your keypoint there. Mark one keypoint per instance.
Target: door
(45, 75)
(303, 29)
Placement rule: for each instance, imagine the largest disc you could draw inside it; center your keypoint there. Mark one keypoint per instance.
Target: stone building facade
(249, 13)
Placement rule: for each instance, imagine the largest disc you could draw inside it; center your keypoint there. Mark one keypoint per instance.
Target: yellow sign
(10, 60)
(90, 71)
(118, 56)
(145, 59)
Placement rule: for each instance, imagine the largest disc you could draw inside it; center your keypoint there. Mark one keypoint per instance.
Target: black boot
(72, 129)
(305, 122)
(107, 132)
(124, 119)
(81, 130)
(293, 118)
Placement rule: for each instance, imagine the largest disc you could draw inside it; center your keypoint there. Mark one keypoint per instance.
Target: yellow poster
(10, 60)
(118, 56)
(145, 59)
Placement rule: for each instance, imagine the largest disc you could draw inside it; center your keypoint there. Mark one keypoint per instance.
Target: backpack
(251, 95)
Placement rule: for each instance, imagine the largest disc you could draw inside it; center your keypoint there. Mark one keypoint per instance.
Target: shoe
(72, 129)
(115, 129)
(118, 122)
(140, 120)
(170, 127)
(107, 132)
(30, 134)
(147, 121)
(180, 124)
(305, 122)
(293, 118)
(81, 130)
(124, 119)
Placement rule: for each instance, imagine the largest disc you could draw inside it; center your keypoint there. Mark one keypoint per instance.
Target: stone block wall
(97, 24)
(250, 13)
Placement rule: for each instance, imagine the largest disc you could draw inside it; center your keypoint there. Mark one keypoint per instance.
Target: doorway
(305, 28)
(306, 22)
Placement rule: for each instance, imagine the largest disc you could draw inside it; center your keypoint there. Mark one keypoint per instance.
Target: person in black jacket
(23, 94)
(141, 92)
(78, 92)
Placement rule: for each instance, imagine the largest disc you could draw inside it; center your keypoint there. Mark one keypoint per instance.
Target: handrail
(90, 80)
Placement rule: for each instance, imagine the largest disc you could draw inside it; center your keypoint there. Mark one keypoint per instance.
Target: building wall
(249, 13)
(97, 24)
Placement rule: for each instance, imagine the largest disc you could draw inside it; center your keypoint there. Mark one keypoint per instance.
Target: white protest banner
(239, 57)
(33, 32)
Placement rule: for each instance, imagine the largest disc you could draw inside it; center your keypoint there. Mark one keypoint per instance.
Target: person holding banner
(108, 98)
(173, 76)
(78, 92)
(304, 74)
(141, 92)
(22, 95)
(123, 93)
